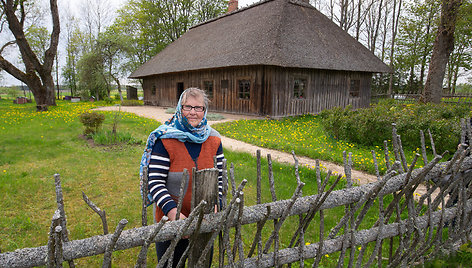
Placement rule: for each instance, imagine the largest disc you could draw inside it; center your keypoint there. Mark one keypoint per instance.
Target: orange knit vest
(180, 159)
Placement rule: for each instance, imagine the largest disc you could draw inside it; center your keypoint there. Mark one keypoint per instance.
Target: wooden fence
(408, 228)
(414, 97)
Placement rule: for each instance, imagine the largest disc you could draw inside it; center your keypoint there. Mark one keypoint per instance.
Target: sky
(74, 6)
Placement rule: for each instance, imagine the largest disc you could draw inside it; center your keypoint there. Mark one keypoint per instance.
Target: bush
(11, 92)
(371, 126)
(108, 100)
(92, 122)
(110, 138)
(132, 103)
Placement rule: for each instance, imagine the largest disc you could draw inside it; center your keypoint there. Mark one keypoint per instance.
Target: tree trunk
(426, 50)
(395, 19)
(37, 76)
(117, 81)
(442, 48)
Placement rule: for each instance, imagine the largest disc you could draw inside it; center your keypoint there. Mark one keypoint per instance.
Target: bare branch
(97, 210)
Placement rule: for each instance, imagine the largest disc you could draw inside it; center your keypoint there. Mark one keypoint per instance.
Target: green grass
(305, 135)
(34, 146)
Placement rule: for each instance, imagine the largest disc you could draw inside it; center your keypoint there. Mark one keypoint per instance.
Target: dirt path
(159, 114)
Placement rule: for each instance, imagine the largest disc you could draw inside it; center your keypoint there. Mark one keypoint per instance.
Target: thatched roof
(286, 33)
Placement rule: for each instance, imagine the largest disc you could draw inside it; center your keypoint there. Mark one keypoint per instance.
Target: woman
(183, 142)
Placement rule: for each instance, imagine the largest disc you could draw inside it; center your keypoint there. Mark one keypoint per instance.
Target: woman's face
(194, 117)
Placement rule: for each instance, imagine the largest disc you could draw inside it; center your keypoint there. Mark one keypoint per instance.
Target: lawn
(305, 135)
(34, 146)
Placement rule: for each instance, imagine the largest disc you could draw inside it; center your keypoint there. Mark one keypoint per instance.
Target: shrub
(132, 103)
(371, 126)
(92, 122)
(110, 138)
(108, 100)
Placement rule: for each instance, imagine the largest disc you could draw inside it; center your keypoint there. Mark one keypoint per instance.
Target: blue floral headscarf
(177, 127)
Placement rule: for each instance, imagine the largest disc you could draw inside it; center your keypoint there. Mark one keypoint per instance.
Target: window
(244, 91)
(153, 90)
(355, 88)
(299, 88)
(224, 83)
(208, 87)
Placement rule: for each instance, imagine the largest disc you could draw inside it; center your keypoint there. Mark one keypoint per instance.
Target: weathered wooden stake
(60, 206)
(183, 184)
(141, 262)
(204, 187)
(111, 244)
(59, 258)
(51, 259)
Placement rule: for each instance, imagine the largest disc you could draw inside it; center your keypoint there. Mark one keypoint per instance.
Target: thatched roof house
(276, 58)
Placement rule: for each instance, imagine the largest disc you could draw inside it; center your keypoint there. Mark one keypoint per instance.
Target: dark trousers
(161, 248)
(182, 245)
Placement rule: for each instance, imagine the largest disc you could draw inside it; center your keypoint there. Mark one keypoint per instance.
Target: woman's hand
(172, 214)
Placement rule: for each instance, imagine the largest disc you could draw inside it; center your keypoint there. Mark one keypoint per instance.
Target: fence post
(204, 187)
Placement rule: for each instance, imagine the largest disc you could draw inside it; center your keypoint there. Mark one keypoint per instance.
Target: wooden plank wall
(271, 90)
(224, 100)
(325, 90)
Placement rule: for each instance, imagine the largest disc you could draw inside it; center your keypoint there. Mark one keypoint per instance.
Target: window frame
(354, 88)
(304, 91)
(210, 94)
(244, 95)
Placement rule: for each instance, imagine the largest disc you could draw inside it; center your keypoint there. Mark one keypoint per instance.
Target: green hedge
(371, 126)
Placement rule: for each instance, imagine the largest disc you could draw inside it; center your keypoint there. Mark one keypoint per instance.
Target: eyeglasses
(196, 108)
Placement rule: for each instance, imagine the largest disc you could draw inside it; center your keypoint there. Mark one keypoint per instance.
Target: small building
(274, 58)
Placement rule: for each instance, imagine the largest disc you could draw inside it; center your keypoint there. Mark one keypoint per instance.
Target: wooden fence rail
(414, 97)
(416, 222)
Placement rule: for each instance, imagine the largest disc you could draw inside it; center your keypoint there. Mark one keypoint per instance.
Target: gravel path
(159, 114)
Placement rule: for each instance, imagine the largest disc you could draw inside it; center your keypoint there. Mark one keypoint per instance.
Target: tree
(397, 7)
(113, 46)
(92, 80)
(414, 41)
(442, 48)
(37, 74)
(96, 16)
(461, 56)
(74, 38)
(208, 9)
(152, 25)
(38, 39)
